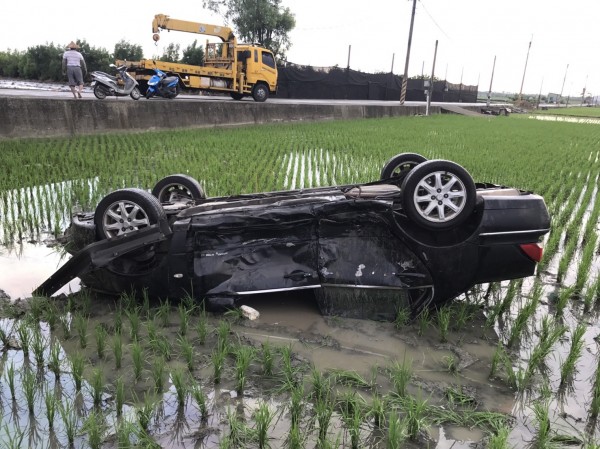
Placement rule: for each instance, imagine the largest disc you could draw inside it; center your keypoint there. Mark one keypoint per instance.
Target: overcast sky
(470, 34)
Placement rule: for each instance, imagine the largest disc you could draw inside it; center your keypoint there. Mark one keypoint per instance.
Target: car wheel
(178, 187)
(135, 93)
(236, 95)
(438, 194)
(99, 92)
(400, 165)
(126, 210)
(260, 93)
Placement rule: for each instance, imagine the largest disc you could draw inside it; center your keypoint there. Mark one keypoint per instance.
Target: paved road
(40, 90)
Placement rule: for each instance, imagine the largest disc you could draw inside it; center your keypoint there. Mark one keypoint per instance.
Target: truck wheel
(99, 92)
(126, 210)
(260, 92)
(135, 93)
(400, 165)
(438, 195)
(236, 95)
(178, 187)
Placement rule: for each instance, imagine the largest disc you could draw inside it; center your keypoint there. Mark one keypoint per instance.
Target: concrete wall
(41, 117)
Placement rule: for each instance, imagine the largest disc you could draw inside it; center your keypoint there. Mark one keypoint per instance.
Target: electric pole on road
(405, 77)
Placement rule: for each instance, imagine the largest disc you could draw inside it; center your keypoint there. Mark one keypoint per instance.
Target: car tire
(126, 210)
(260, 93)
(400, 165)
(438, 195)
(177, 187)
(236, 95)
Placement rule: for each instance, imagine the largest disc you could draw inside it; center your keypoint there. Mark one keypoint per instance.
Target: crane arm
(164, 22)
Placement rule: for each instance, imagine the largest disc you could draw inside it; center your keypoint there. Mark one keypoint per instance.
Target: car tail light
(533, 250)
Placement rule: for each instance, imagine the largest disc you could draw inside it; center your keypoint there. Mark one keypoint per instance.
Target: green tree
(42, 62)
(127, 51)
(171, 53)
(262, 21)
(193, 54)
(9, 63)
(95, 58)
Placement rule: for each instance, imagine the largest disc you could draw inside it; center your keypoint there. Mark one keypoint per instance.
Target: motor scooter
(162, 85)
(119, 86)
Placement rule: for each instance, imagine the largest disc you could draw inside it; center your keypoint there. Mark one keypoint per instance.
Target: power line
(433, 20)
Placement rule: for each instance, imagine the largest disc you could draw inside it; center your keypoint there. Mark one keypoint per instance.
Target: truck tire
(260, 92)
(236, 95)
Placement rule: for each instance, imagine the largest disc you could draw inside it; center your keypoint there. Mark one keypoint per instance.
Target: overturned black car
(418, 237)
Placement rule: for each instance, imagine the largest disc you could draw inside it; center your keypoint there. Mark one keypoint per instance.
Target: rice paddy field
(508, 365)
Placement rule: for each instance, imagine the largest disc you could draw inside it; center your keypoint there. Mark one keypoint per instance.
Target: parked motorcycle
(119, 86)
(162, 85)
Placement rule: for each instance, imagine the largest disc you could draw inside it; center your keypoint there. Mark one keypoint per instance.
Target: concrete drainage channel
(50, 117)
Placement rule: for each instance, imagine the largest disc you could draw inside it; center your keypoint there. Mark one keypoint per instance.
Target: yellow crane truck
(240, 69)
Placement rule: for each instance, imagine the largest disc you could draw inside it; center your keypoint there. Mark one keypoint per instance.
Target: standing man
(73, 65)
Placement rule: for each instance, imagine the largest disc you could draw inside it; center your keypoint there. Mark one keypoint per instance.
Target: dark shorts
(75, 75)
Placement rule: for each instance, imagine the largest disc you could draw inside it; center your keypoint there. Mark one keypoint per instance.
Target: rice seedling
(4, 339)
(402, 318)
(65, 324)
(400, 374)
(499, 439)
(10, 379)
(297, 404)
(451, 364)
(126, 432)
(424, 322)
(324, 412)
(162, 346)
(295, 438)
(145, 308)
(415, 409)
(51, 402)
(377, 411)
(159, 370)
(51, 315)
(80, 323)
(200, 399)
(119, 396)
(97, 386)
(163, 312)
(184, 319)
(133, 316)
(223, 331)
(186, 350)
(595, 405)
(351, 379)
(592, 294)
(29, 384)
(218, 362)
(562, 300)
(244, 355)
(77, 367)
(397, 432)
(101, 337)
(137, 357)
(238, 432)
(352, 414)
(179, 381)
(24, 338)
(498, 356)
(569, 365)
(94, 427)
(521, 320)
(263, 416)
(38, 346)
(444, 316)
(13, 437)
(463, 314)
(290, 373)
(118, 320)
(202, 327)
(144, 412)
(266, 357)
(117, 347)
(543, 437)
(54, 361)
(321, 386)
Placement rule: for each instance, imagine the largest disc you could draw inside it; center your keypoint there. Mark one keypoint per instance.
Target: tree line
(44, 62)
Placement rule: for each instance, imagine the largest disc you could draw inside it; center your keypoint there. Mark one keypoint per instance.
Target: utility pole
(460, 88)
(540, 94)
(431, 80)
(349, 48)
(584, 88)
(489, 96)
(563, 85)
(525, 69)
(392, 69)
(405, 77)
